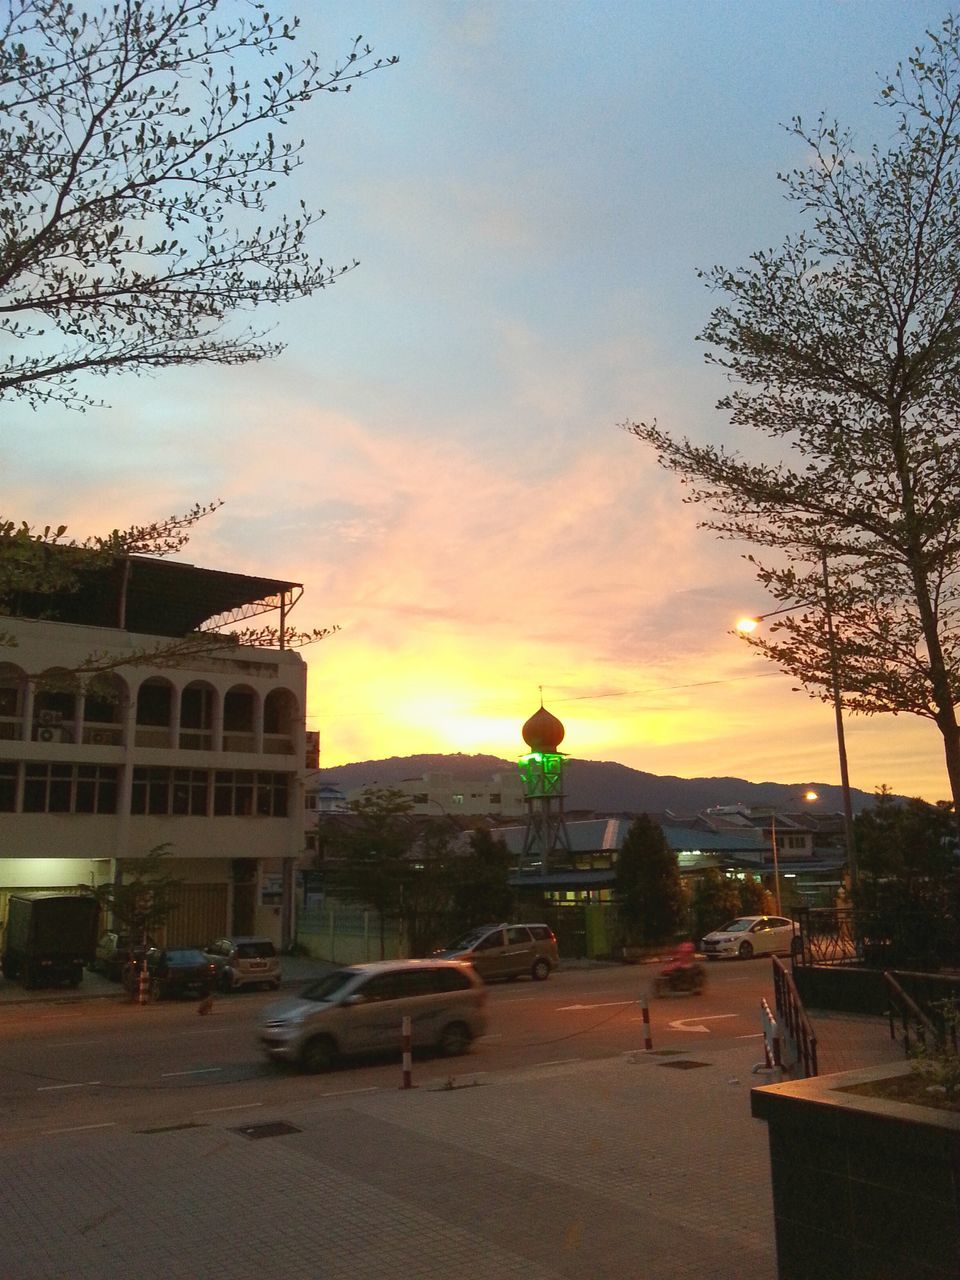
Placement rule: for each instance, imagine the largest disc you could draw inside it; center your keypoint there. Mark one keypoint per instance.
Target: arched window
(239, 718)
(280, 717)
(154, 712)
(104, 702)
(196, 716)
(55, 706)
(13, 683)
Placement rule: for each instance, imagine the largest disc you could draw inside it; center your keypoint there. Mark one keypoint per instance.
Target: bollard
(772, 1056)
(645, 1010)
(143, 984)
(406, 1081)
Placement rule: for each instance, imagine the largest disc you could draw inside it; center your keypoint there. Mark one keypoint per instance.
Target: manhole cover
(684, 1065)
(274, 1130)
(172, 1128)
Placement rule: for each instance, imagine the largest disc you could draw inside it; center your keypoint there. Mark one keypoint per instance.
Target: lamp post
(746, 625)
(807, 795)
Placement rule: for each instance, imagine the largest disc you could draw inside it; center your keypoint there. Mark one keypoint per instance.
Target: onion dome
(543, 731)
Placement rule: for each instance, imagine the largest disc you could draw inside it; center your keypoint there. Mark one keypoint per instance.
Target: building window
(421, 798)
(495, 797)
(164, 791)
(96, 789)
(8, 788)
(457, 797)
(66, 788)
(154, 702)
(241, 793)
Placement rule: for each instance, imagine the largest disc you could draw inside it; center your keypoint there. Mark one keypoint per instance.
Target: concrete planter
(863, 1188)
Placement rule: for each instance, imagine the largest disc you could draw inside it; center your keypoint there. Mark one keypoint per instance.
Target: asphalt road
(95, 1064)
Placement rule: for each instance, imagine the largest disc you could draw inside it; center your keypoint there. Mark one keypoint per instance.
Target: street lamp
(807, 795)
(747, 625)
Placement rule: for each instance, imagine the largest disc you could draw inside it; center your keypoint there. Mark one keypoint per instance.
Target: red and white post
(645, 1011)
(406, 1080)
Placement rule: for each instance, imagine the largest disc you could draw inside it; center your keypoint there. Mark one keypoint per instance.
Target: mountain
(604, 785)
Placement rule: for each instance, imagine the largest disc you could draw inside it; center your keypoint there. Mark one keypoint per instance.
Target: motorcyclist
(683, 971)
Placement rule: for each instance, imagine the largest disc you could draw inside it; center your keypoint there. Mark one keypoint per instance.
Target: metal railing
(907, 1012)
(876, 939)
(920, 1011)
(798, 1034)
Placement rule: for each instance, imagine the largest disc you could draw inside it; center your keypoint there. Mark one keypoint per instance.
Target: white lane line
(555, 1062)
(606, 1004)
(200, 1071)
(240, 1106)
(343, 1093)
(71, 1044)
(756, 1035)
(81, 1128)
(46, 1088)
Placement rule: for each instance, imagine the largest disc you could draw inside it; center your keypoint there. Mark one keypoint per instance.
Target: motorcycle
(686, 977)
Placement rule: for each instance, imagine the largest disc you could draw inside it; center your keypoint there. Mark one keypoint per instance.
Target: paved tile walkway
(626, 1168)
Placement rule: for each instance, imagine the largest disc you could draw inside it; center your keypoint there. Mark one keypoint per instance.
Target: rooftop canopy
(154, 597)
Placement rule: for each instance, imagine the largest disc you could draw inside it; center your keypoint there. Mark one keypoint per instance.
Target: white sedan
(753, 936)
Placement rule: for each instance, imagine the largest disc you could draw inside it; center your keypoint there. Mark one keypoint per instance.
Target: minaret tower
(542, 773)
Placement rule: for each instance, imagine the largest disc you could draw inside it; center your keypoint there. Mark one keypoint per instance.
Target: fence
(799, 1043)
(876, 939)
(917, 1003)
(347, 935)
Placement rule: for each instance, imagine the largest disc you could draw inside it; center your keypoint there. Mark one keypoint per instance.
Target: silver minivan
(507, 950)
(359, 1009)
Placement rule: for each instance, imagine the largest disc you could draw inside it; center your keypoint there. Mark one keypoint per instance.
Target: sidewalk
(625, 1168)
(642, 1166)
(296, 970)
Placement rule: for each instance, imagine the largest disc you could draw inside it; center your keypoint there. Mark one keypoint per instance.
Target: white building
(204, 754)
(497, 794)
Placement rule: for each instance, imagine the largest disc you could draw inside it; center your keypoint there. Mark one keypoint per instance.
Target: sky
(437, 454)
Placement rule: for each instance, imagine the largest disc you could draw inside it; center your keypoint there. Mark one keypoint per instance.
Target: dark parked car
(173, 971)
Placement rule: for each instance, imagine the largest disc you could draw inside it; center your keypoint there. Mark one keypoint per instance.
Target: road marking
(343, 1093)
(81, 1128)
(606, 1004)
(200, 1071)
(555, 1062)
(45, 1088)
(683, 1024)
(240, 1106)
(756, 1035)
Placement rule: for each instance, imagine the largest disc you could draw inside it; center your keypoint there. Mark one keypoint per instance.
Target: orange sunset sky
(436, 454)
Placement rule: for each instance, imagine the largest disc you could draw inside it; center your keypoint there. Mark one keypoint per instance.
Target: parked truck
(49, 937)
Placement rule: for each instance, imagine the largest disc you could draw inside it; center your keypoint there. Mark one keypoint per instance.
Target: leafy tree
(481, 888)
(755, 900)
(143, 903)
(714, 901)
(843, 346)
(907, 851)
(367, 855)
(647, 888)
(142, 158)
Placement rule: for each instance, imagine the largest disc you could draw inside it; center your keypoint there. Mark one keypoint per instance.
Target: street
(106, 1063)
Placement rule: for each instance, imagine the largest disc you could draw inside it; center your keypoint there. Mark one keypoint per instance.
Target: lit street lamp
(747, 625)
(807, 795)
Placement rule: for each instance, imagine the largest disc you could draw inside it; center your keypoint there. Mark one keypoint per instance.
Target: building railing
(888, 938)
(911, 1018)
(799, 1047)
(917, 1003)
